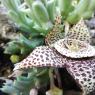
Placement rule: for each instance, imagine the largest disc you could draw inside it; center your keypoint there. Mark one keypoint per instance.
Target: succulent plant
(37, 18)
(24, 83)
(25, 15)
(74, 54)
(44, 21)
(33, 27)
(74, 12)
(39, 15)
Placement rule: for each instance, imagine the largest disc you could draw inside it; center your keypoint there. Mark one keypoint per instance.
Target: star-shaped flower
(74, 53)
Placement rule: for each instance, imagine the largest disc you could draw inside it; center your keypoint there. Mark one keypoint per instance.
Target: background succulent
(36, 18)
(23, 84)
(76, 11)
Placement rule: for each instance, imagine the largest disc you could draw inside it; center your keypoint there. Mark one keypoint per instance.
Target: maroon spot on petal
(82, 82)
(24, 64)
(29, 63)
(88, 79)
(67, 66)
(88, 72)
(47, 58)
(90, 83)
(80, 69)
(74, 68)
(26, 60)
(34, 63)
(53, 64)
(34, 58)
(41, 56)
(85, 85)
(43, 64)
(77, 74)
(94, 77)
(94, 66)
(85, 79)
(42, 60)
(90, 76)
(48, 64)
(37, 59)
(36, 55)
(86, 67)
(79, 65)
(42, 52)
(83, 74)
(47, 49)
(28, 66)
(47, 54)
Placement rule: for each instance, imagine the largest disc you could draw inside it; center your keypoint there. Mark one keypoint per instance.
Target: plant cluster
(36, 18)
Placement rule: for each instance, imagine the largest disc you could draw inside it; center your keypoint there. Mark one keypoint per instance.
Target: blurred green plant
(23, 46)
(31, 16)
(24, 83)
(73, 10)
(34, 18)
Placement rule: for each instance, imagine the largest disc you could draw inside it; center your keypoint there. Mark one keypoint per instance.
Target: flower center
(74, 45)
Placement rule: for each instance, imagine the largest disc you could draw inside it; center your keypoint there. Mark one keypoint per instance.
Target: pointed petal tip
(43, 56)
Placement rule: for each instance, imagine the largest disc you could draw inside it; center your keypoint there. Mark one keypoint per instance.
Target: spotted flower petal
(72, 53)
(42, 56)
(53, 36)
(74, 48)
(83, 71)
(56, 33)
(79, 32)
